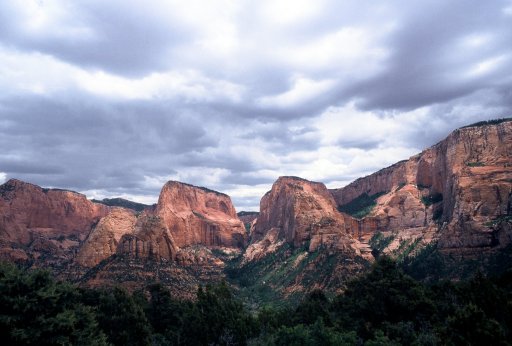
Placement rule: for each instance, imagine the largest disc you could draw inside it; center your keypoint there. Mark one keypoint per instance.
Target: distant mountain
(124, 203)
(247, 218)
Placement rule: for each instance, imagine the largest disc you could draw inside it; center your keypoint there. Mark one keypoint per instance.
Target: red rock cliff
(185, 215)
(465, 180)
(196, 215)
(103, 241)
(298, 211)
(30, 215)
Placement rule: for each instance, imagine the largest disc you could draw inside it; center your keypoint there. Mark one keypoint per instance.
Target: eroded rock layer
(300, 212)
(458, 191)
(34, 220)
(185, 215)
(104, 239)
(195, 215)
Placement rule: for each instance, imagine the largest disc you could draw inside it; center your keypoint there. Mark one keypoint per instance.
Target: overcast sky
(114, 98)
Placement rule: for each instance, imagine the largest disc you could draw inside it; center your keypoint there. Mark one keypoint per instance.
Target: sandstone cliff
(104, 239)
(195, 215)
(34, 220)
(458, 191)
(300, 212)
(149, 239)
(185, 215)
(182, 243)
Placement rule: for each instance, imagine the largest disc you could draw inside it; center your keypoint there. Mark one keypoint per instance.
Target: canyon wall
(460, 187)
(185, 215)
(34, 220)
(301, 213)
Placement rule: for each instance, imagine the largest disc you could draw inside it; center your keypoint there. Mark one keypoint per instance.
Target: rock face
(195, 215)
(300, 212)
(33, 219)
(185, 215)
(460, 189)
(104, 239)
(150, 239)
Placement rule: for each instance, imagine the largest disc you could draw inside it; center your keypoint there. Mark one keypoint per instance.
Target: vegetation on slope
(488, 122)
(432, 199)
(383, 307)
(361, 206)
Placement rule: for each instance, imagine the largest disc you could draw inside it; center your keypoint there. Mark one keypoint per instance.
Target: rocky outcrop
(150, 239)
(105, 237)
(300, 212)
(195, 215)
(460, 187)
(38, 223)
(185, 215)
(31, 216)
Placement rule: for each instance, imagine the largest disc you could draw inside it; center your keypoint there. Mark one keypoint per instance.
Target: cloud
(115, 98)
(438, 55)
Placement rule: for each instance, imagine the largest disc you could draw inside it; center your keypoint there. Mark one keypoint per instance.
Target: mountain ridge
(454, 197)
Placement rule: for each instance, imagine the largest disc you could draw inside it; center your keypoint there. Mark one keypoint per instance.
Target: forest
(383, 307)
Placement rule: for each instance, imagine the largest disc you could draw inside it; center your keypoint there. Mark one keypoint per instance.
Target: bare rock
(104, 239)
(300, 212)
(460, 187)
(29, 215)
(195, 215)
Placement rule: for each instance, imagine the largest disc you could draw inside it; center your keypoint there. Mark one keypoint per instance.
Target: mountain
(303, 214)
(443, 213)
(184, 241)
(39, 224)
(299, 242)
(185, 216)
(454, 197)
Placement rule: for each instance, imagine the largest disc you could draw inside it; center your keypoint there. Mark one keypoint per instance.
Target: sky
(114, 98)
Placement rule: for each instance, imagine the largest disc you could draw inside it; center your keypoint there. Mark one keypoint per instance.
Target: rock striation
(35, 220)
(457, 191)
(195, 215)
(301, 213)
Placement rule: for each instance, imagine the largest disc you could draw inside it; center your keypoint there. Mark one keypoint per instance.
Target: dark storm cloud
(364, 143)
(92, 145)
(116, 36)
(431, 55)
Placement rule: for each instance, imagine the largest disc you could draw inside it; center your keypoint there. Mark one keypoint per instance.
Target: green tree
(119, 316)
(35, 309)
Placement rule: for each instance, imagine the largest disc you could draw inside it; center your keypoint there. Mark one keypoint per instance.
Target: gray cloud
(430, 60)
(117, 36)
(116, 97)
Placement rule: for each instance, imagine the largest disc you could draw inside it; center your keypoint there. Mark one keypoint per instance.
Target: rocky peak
(185, 215)
(196, 215)
(182, 197)
(456, 191)
(29, 213)
(300, 212)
